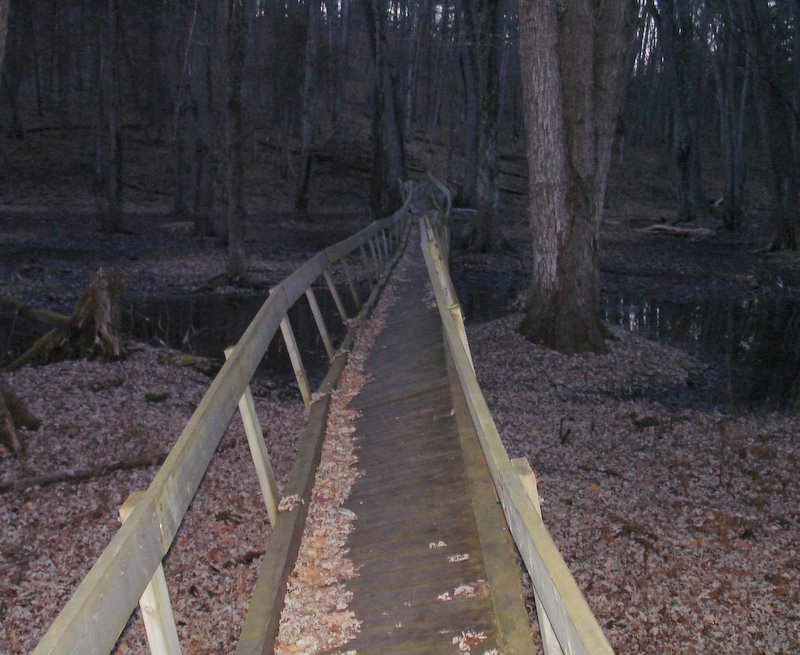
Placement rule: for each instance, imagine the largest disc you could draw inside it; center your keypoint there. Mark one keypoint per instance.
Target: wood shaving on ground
(437, 544)
(315, 617)
(467, 639)
(461, 557)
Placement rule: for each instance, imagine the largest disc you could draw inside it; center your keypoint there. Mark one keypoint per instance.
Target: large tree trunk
(573, 60)
(483, 235)
(778, 120)
(235, 263)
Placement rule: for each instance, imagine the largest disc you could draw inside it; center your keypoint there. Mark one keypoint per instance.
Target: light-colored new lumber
(258, 451)
(335, 293)
(573, 622)
(159, 621)
(320, 321)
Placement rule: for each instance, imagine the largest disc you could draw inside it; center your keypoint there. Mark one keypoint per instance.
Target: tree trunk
(92, 332)
(778, 119)
(14, 415)
(483, 235)
(4, 7)
(309, 107)
(235, 262)
(572, 92)
(111, 219)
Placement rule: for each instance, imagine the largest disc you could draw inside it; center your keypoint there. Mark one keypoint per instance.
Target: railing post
(258, 451)
(336, 299)
(159, 621)
(550, 642)
(297, 362)
(320, 321)
(351, 283)
(367, 267)
(376, 258)
(382, 238)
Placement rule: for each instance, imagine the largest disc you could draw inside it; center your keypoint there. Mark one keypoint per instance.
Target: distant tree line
(698, 78)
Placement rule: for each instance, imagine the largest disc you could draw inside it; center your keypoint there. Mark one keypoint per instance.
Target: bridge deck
(423, 481)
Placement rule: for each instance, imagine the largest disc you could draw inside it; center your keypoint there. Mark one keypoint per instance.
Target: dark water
(205, 325)
(753, 346)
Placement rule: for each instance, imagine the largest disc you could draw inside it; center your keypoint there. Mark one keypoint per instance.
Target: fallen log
(92, 332)
(80, 474)
(676, 231)
(37, 313)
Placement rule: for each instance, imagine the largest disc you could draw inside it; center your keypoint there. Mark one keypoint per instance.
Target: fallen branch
(43, 315)
(676, 231)
(80, 474)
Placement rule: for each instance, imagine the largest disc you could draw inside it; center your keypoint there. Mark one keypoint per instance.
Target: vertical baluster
(258, 451)
(335, 293)
(320, 321)
(159, 621)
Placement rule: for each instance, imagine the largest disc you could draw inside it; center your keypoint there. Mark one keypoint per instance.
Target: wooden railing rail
(129, 569)
(566, 621)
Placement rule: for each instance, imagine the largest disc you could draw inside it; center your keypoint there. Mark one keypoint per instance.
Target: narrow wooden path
(424, 501)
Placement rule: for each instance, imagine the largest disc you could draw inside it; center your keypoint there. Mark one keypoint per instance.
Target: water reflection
(754, 343)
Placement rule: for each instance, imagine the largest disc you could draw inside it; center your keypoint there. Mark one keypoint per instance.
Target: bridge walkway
(434, 555)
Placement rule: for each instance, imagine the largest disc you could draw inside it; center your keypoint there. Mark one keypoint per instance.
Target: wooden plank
(258, 451)
(572, 619)
(159, 621)
(263, 616)
(351, 283)
(550, 643)
(335, 293)
(320, 321)
(297, 361)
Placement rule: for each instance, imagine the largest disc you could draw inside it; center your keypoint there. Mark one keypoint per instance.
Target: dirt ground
(679, 523)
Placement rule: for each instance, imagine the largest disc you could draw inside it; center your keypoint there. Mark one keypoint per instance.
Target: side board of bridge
(129, 569)
(567, 623)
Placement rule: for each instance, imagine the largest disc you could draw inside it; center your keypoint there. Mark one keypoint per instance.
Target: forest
(625, 178)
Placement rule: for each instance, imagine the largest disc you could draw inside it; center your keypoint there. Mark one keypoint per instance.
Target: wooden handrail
(557, 593)
(97, 612)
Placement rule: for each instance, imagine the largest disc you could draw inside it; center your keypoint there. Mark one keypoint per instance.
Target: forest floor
(679, 518)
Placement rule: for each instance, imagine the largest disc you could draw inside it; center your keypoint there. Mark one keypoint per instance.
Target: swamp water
(205, 325)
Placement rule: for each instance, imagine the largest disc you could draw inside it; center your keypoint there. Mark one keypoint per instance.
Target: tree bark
(92, 332)
(4, 7)
(309, 107)
(483, 235)
(112, 218)
(573, 59)
(235, 262)
(14, 415)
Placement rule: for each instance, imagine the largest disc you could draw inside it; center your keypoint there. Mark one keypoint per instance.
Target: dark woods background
(357, 81)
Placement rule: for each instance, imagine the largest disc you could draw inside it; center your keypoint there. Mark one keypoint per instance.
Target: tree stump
(13, 416)
(92, 332)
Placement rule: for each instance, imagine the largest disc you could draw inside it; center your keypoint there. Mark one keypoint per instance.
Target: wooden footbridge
(434, 549)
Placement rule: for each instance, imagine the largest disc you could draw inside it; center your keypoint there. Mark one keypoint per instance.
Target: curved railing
(566, 622)
(129, 569)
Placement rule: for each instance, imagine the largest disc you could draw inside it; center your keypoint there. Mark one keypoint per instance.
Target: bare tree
(235, 263)
(111, 219)
(309, 105)
(573, 59)
(4, 7)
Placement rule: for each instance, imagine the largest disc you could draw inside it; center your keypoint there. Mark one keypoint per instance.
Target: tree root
(14, 415)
